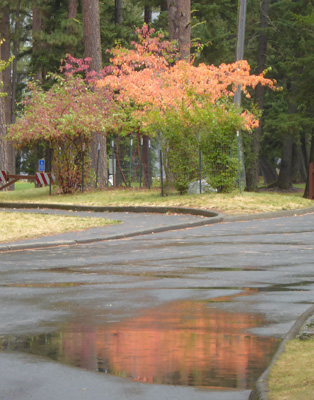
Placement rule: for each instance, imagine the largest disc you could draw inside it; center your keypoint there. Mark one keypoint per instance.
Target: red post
(311, 181)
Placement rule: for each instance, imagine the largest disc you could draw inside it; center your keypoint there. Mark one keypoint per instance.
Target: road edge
(260, 388)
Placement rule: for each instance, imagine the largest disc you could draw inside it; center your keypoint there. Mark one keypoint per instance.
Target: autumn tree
(66, 117)
(163, 90)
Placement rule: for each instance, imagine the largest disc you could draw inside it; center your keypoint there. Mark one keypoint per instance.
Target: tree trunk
(72, 25)
(163, 5)
(268, 171)
(92, 49)
(145, 151)
(72, 9)
(15, 54)
(179, 17)
(118, 12)
(148, 14)
(252, 169)
(284, 179)
(285, 174)
(5, 55)
(298, 173)
(311, 159)
(3, 144)
(7, 150)
(306, 145)
(91, 33)
(36, 28)
(4, 155)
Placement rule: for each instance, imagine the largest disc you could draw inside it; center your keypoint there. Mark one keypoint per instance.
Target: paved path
(132, 224)
(257, 267)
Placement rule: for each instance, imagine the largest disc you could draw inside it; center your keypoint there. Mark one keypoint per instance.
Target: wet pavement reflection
(187, 343)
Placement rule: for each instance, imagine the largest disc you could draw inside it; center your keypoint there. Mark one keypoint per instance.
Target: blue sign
(41, 165)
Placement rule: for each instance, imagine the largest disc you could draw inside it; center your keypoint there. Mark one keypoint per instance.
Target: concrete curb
(275, 214)
(134, 209)
(210, 217)
(260, 388)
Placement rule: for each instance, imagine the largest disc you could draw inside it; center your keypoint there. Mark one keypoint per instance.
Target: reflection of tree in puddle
(184, 343)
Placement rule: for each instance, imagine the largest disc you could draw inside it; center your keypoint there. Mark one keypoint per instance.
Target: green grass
(229, 203)
(291, 378)
(24, 185)
(18, 226)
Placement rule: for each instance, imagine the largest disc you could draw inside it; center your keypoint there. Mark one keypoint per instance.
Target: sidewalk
(144, 221)
(135, 221)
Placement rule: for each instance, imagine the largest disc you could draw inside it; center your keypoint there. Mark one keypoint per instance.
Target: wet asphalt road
(258, 267)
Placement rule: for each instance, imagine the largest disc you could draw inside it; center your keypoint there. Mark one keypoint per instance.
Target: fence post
(83, 150)
(148, 161)
(97, 164)
(311, 180)
(200, 162)
(161, 175)
(141, 166)
(130, 171)
(50, 160)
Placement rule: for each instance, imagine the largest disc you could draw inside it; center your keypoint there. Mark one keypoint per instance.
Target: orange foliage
(143, 76)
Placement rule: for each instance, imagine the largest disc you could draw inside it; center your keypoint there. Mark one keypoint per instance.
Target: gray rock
(194, 187)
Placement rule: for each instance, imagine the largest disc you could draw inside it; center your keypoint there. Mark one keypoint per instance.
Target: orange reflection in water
(182, 343)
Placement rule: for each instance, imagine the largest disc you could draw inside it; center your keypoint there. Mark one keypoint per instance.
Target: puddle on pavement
(182, 343)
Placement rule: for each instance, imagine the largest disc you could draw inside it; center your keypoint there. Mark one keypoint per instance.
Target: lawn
(18, 226)
(22, 226)
(291, 378)
(227, 203)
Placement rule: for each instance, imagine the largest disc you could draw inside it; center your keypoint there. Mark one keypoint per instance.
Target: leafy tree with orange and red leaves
(163, 89)
(65, 117)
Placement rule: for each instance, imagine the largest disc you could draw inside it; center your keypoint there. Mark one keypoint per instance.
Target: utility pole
(237, 96)
(240, 42)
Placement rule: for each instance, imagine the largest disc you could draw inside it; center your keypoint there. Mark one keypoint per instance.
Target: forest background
(279, 39)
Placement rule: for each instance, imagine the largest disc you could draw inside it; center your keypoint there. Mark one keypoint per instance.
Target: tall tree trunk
(179, 17)
(7, 150)
(36, 28)
(3, 144)
(16, 41)
(311, 160)
(147, 19)
(163, 5)
(252, 169)
(298, 173)
(268, 171)
(72, 13)
(284, 179)
(4, 147)
(148, 14)
(118, 12)
(92, 49)
(72, 9)
(5, 55)
(91, 33)
(285, 174)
